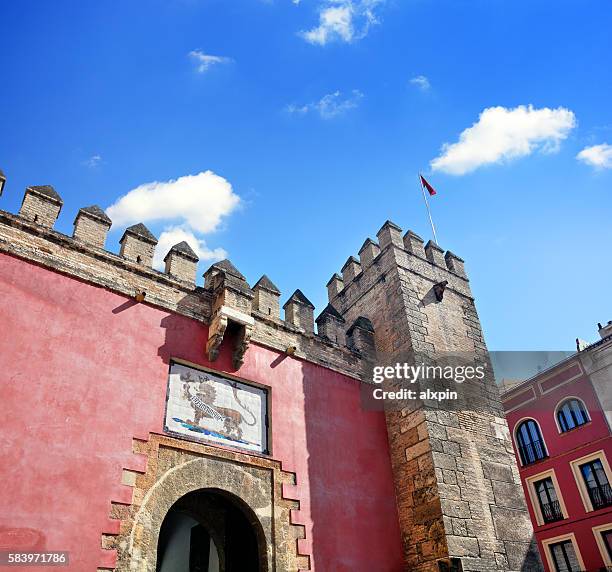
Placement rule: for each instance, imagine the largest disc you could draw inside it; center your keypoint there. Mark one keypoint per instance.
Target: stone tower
(460, 502)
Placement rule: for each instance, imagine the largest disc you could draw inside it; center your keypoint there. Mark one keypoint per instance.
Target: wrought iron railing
(601, 496)
(532, 452)
(551, 511)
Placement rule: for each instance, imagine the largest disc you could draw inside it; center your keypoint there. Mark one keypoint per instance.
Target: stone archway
(252, 485)
(211, 531)
(176, 469)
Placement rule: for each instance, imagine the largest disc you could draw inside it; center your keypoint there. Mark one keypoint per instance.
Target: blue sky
(314, 119)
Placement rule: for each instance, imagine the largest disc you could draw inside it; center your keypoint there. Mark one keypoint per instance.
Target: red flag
(429, 188)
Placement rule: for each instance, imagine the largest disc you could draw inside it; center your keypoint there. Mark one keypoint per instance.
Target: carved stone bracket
(242, 343)
(216, 331)
(222, 318)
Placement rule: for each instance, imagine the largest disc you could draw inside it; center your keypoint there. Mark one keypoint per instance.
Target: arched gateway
(209, 530)
(203, 509)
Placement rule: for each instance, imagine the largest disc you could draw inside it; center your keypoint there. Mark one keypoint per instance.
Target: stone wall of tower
(457, 485)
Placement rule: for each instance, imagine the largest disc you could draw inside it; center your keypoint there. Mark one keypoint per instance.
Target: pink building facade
(563, 445)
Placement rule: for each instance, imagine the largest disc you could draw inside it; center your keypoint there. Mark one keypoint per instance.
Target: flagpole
(433, 228)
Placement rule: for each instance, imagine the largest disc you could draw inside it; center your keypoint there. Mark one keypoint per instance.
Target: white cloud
(343, 20)
(205, 61)
(330, 105)
(175, 234)
(501, 134)
(190, 207)
(93, 161)
(198, 201)
(598, 156)
(421, 82)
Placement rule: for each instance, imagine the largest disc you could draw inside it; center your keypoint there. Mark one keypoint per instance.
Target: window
(603, 537)
(530, 443)
(547, 498)
(571, 414)
(597, 484)
(564, 556)
(606, 536)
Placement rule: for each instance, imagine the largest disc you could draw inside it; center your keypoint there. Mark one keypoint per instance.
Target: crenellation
(267, 297)
(299, 311)
(360, 336)
(350, 270)
(182, 262)
(435, 254)
(41, 205)
(334, 286)
(91, 225)
(455, 264)
(138, 244)
(388, 234)
(330, 325)
(414, 244)
(368, 253)
(58, 252)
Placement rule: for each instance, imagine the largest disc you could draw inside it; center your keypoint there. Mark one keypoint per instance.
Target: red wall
(83, 371)
(563, 448)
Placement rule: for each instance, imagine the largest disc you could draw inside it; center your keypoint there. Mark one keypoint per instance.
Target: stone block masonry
(457, 486)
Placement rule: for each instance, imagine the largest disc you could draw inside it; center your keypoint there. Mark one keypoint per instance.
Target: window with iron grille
(571, 414)
(549, 503)
(607, 539)
(597, 484)
(564, 557)
(530, 443)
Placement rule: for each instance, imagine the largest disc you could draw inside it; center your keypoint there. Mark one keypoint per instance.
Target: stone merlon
(266, 284)
(91, 225)
(389, 234)
(266, 298)
(435, 254)
(455, 264)
(138, 244)
(360, 336)
(330, 325)
(182, 262)
(231, 278)
(183, 249)
(41, 205)
(368, 252)
(351, 269)
(299, 311)
(413, 243)
(47, 192)
(334, 286)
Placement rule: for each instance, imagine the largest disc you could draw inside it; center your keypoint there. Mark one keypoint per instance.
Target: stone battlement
(30, 235)
(408, 252)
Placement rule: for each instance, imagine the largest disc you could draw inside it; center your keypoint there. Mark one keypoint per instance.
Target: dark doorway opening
(208, 531)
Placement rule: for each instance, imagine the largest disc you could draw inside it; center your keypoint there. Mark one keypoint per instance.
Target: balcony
(601, 496)
(532, 452)
(551, 512)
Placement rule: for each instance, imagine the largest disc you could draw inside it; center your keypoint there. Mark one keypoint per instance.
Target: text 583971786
(21, 558)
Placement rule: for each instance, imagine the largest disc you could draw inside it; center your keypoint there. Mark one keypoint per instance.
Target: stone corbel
(242, 344)
(223, 316)
(216, 331)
